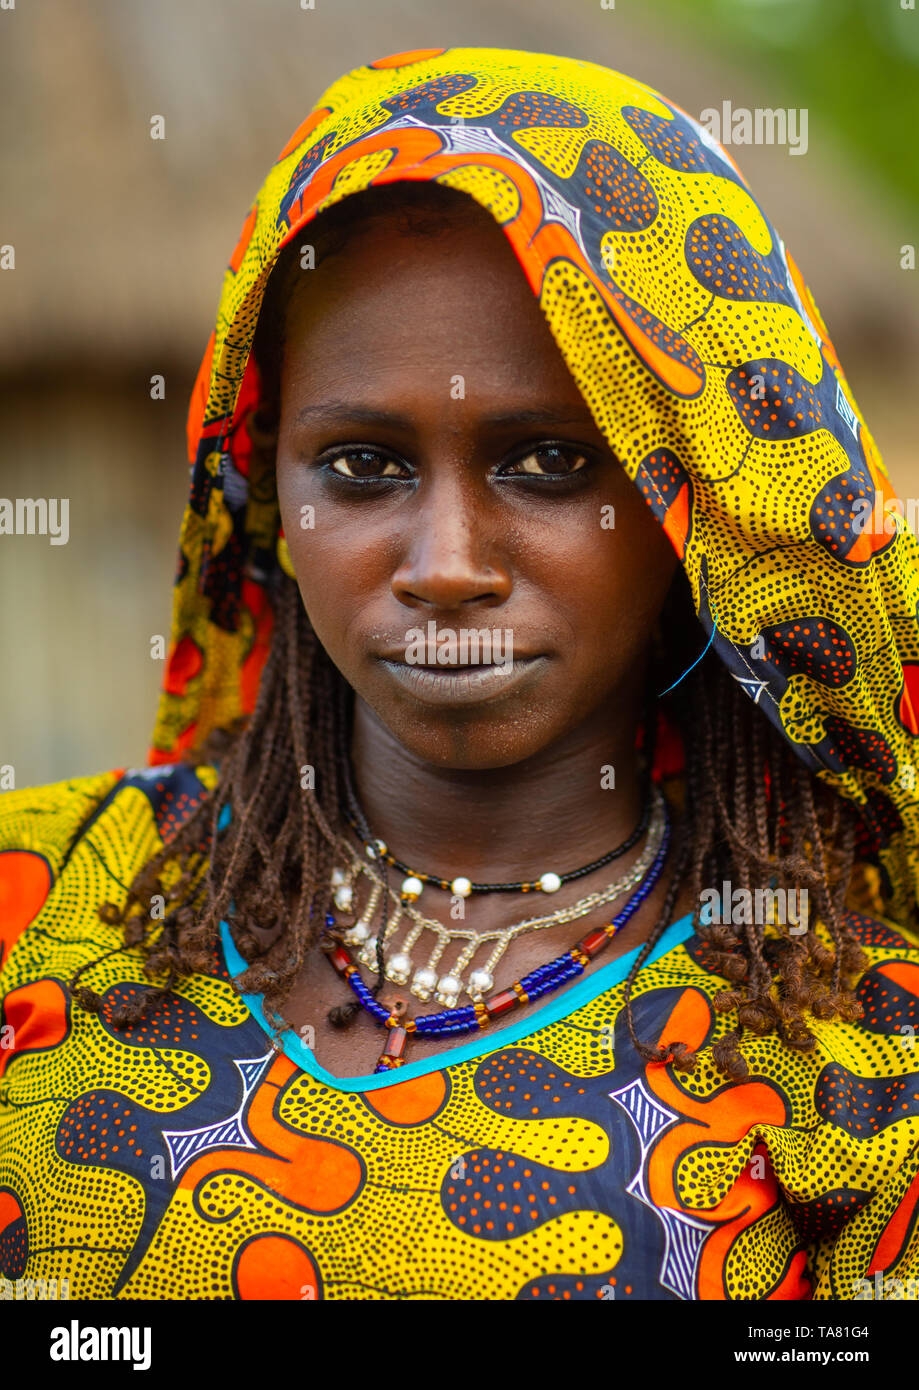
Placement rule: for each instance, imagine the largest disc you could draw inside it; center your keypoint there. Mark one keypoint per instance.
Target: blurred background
(121, 241)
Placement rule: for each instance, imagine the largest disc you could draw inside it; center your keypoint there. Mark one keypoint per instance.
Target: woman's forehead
(391, 234)
(400, 303)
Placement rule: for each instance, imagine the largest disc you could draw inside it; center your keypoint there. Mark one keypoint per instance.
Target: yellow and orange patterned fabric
(192, 1156)
(187, 1158)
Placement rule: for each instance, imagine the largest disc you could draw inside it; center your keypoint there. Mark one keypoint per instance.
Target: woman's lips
(463, 685)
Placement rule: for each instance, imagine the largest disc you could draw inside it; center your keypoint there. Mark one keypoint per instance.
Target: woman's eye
(548, 461)
(552, 462)
(365, 464)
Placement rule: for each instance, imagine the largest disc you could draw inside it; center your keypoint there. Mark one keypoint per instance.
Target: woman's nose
(450, 554)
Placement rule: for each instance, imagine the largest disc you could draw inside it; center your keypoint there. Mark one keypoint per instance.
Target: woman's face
(457, 479)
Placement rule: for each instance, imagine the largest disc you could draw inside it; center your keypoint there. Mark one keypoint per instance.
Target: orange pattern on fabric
(25, 881)
(410, 1102)
(319, 1174)
(37, 1014)
(275, 1267)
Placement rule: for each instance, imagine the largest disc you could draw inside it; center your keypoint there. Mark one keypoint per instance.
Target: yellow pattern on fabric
(503, 1175)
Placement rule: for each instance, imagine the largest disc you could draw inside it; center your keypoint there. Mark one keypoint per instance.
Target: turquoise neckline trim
(582, 993)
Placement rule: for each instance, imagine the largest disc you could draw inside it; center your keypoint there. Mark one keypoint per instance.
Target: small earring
(284, 559)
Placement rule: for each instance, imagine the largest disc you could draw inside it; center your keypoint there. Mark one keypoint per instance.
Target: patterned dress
(191, 1157)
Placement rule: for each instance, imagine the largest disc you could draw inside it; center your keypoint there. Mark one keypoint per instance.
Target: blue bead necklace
(542, 981)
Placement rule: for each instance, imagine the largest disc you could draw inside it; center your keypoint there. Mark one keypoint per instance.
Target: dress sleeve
(854, 1197)
(876, 1253)
(38, 829)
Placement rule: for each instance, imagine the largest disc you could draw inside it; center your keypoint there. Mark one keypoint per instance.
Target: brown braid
(274, 860)
(742, 834)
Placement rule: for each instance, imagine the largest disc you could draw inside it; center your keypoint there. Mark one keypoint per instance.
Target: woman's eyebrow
(359, 414)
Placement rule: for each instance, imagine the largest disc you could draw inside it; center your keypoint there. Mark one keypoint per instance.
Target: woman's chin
(471, 739)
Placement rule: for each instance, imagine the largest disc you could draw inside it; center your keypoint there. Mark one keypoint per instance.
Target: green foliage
(854, 64)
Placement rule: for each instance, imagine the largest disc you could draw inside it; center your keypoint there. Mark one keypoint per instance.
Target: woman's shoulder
(51, 818)
(874, 932)
(44, 819)
(853, 1061)
(881, 1040)
(85, 835)
(887, 990)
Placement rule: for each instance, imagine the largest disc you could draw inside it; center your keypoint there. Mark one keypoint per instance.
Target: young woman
(514, 906)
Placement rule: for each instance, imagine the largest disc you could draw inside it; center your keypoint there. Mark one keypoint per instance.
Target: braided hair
(750, 811)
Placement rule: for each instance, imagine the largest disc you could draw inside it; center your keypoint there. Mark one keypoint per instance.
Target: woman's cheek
(341, 600)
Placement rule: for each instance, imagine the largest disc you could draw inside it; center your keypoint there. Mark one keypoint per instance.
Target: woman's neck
(558, 810)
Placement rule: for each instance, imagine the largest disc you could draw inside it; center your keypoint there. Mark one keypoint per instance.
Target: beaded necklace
(548, 882)
(545, 979)
(448, 985)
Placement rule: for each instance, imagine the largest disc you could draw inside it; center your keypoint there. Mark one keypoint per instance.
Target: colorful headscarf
(688, 329)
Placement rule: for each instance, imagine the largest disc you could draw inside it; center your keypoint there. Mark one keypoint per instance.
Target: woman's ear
(678, 636)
